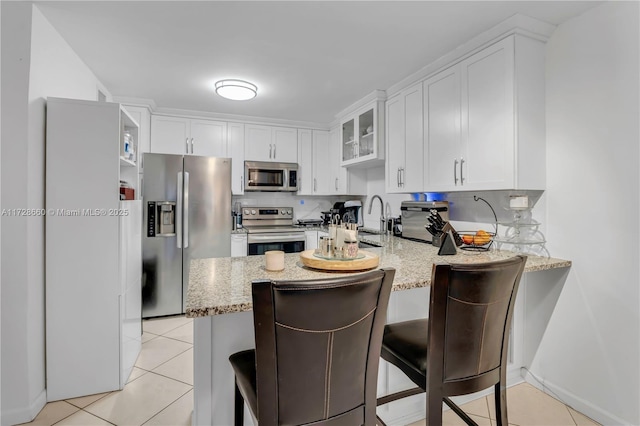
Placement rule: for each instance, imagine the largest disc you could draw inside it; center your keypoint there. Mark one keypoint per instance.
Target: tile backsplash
(304, 207)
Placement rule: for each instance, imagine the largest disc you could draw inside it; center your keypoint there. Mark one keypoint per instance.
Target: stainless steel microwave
(269, 176)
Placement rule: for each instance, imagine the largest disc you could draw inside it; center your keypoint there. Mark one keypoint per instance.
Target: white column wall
(45, 66)
(590, 352)
(16, 342)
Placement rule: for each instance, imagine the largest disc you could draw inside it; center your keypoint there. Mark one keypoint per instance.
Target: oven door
(291, 242)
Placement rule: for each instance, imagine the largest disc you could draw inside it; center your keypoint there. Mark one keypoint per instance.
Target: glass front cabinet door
(362, 136)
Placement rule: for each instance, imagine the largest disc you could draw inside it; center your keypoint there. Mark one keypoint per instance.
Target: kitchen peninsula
(219, 298)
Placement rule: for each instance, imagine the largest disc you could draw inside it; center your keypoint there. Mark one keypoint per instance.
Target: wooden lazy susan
(366, 260)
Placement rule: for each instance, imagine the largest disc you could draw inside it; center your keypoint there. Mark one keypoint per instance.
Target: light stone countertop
(223, 285)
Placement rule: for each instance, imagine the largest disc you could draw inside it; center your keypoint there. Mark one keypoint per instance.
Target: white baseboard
(24, 414)
(585, 407)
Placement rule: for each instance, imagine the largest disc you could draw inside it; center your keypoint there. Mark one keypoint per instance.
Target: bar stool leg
(238, 415)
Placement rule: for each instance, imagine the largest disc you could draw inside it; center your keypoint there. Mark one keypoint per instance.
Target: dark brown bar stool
(462, 347)
(317, 351)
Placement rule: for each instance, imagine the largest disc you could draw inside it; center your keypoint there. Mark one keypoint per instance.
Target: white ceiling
(310, 59)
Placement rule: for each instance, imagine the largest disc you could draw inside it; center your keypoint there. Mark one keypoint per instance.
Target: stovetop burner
(309, 222)
(271, 229)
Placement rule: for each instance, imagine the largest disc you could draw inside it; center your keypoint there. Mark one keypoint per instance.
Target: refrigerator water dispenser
(161, 218)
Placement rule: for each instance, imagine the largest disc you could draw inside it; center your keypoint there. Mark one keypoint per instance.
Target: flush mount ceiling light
(237, 90)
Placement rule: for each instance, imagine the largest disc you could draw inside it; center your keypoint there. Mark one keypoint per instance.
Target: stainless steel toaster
(414, 217)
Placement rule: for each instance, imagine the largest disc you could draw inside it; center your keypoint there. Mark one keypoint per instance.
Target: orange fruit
(467, 239)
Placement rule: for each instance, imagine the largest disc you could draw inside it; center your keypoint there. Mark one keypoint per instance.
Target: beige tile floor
(160, 392)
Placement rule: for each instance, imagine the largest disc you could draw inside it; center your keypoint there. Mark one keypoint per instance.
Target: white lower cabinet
(238, 245)
(311, 242)
(403, 306)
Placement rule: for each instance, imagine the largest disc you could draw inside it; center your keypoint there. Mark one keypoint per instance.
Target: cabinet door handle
(178, 216)
(455, 172)
(398, 178)
(185, 207)
(402, 177)
(186, 140)
(241, 183)
(461, 176)
(192, 145)
(336, 184)
(315, 185)
(274, 150)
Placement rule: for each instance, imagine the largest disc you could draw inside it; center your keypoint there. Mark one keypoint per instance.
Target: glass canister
(350, 249)
(327, 247)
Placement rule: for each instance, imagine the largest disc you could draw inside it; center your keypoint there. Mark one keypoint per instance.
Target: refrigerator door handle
(186, 210)
(179, 212)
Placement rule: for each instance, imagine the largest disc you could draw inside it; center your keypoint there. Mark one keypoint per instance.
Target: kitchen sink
(363, 245)
(373, 239)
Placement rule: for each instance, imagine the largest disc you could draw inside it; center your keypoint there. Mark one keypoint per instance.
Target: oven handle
(275, 238)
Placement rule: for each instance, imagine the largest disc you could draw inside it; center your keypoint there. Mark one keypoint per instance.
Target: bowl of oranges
(479, 240)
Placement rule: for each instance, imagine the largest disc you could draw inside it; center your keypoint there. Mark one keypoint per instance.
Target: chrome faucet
(382, 219)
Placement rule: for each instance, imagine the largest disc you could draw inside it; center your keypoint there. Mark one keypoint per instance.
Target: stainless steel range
(271, 228)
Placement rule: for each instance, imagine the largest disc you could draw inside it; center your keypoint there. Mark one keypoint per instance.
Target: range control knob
(246, 212)
(282, 212)
(253, 212)
(290, 212)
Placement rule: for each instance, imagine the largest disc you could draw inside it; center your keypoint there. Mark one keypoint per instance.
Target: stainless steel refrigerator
(187, 215)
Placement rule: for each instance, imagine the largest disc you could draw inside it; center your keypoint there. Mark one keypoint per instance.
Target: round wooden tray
(369, 261)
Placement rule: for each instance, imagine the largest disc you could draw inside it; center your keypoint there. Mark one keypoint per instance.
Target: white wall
(16, 26)
(47, 67)
(590, 352)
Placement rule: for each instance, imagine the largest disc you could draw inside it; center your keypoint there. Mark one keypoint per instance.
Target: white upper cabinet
(235, 150)
(323, 163)
(362, 134)
(405, 141)
(305, 162)
(488, 95)
(319, 171)
(268, 143)
(177, 135)
(209, 138)
(442, 149)
(285, 144)
(257, 143)
(484, 120)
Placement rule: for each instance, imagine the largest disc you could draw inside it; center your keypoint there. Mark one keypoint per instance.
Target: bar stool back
(462, 347)
(317, 351)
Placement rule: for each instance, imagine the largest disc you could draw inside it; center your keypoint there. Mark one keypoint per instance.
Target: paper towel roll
(274, 260)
